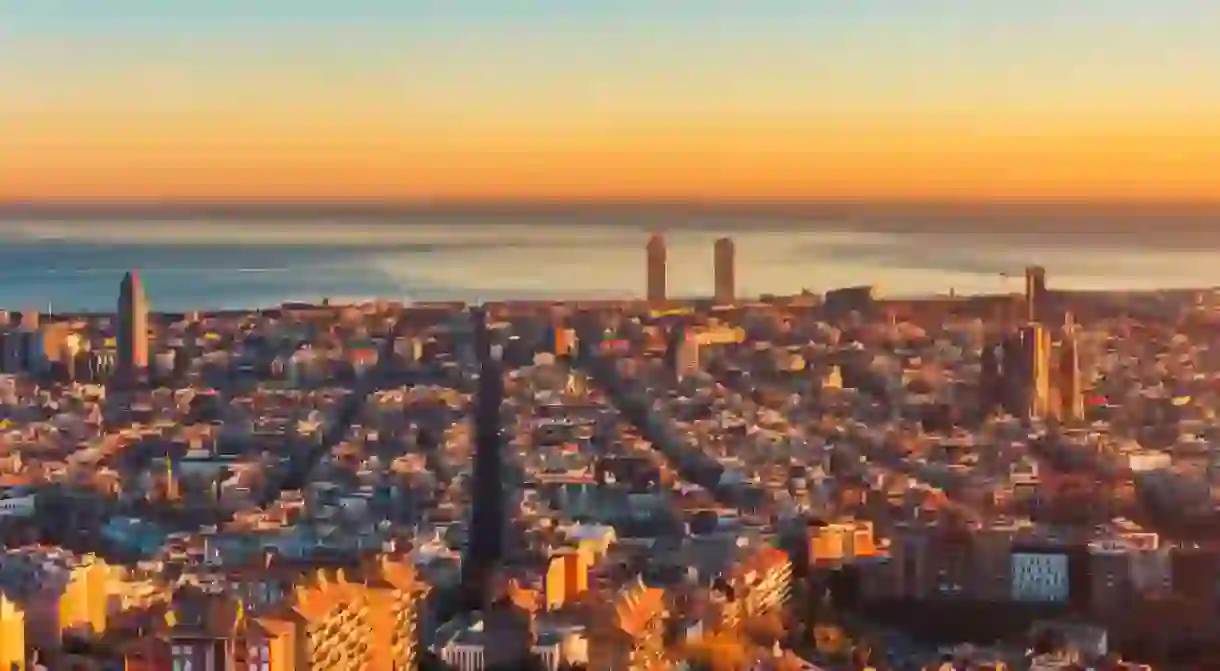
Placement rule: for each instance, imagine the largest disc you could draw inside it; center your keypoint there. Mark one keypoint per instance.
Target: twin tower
(723, 260)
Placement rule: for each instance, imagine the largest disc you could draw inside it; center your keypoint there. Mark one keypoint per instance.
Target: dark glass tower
(485, 548)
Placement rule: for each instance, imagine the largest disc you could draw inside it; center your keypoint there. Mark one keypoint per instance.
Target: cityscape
(609, 335)
(834, 480)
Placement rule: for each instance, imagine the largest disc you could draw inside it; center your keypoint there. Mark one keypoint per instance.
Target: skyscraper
(1036, 353)
(725, 271)
(1071, 396)
(655, 271)
(485, 549)
(133, 327)
(1035, 293)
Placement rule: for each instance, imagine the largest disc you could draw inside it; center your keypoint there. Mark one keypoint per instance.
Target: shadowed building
(1035, 293)
(655, 268)
(990, 379)
(1026, 368)
(725, 271)
(133, 327)
(485, 549)
(1071, 395)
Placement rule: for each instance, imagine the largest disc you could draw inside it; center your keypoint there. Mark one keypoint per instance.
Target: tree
(829, 639)
(790, 662)
(766, 629)
(862, 654)
(717, 652)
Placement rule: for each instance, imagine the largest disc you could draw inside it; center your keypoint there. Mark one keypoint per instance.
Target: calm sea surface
(209, 264)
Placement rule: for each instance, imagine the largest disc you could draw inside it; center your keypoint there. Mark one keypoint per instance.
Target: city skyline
(709, 102)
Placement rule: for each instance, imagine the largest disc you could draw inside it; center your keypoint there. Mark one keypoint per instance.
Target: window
(183, 658)
(258, 657)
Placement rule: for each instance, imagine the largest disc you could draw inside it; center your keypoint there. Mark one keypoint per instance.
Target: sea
(201, 263)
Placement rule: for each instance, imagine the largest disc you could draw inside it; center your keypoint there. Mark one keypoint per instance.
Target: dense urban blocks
(609, 484)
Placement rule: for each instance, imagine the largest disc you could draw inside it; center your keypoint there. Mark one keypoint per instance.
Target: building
(12, 635)
(1068, 382)
(655, 268)
(990, 380)
(567, 577)
(1144, 460)
(345, 624)
(503, 639)
(133, 327)
(85, 602)
(724, 264)
(682, 352)
(951, 562)
(761, 583)
(1027, 372)
(1035, 293)
(1125, 568)
(59, 593)
(327, 622)
(559, 339)
(628, 631)
(838, 303)
(1040, 576)
(719, 335)
(688, 356)
(1037, 350)
(832, 545)
(23, 349)
(18, 502)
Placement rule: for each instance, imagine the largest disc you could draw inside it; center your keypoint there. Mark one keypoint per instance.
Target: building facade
(133, 326)
(725, 271)
(655, 268)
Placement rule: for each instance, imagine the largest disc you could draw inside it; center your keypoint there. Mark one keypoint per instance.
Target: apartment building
(13, 651)
(840, 542)
(337, 624)
(328, 622)
(1123, 569)
(567, 577)
(64, 595)
(627, 634)
(761, 583)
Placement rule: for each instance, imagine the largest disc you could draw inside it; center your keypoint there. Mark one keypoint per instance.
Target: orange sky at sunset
(191, 161)
(540, 100)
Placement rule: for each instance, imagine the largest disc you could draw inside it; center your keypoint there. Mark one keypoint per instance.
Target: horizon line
(88, 208)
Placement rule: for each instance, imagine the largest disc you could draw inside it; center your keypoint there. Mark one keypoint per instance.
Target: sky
(542, 100)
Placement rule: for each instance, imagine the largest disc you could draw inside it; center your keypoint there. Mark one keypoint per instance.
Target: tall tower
(656, 258)
(1071, 396)
(1035, 293)
(485, 549)
(725, 271)
(1036, 352)
(133, 326)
